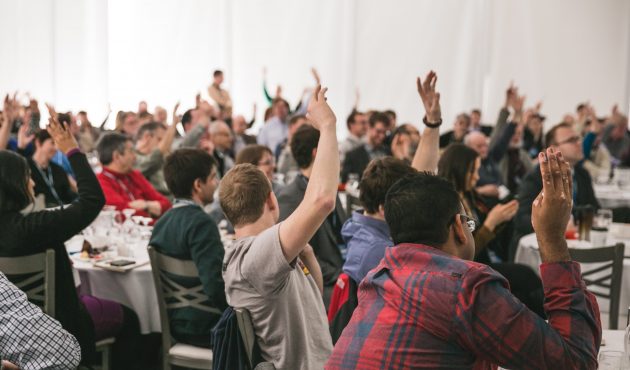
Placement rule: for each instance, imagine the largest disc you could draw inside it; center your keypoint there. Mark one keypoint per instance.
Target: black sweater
(38, 231)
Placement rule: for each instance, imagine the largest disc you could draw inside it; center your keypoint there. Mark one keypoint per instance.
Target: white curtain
(84, 54)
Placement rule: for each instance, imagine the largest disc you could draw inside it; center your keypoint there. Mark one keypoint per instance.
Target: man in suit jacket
(327, 238)
(561, 138)
(357, 160)
(241, 138)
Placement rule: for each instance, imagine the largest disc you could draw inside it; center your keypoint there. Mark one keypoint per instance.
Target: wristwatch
(431, 125)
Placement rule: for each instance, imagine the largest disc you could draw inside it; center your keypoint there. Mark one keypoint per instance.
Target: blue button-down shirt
(366, 238)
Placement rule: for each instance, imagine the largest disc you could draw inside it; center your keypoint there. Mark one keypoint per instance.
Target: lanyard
(50, 182)
(121, 184)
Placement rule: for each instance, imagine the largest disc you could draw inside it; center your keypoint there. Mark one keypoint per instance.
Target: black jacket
(38, 231)
(531, 187)
(60, 183)
(356, 161)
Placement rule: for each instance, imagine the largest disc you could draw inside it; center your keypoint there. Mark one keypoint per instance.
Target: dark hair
(550, 136)
(41, 136)
(304, 140)
(294, 119)
(243, 192)
(183, 167)
(252, 154)
(377, 178)
(456, 164)
(419, 209)
(108, 144)
(390, 113)
(217, 72)
(149, 127)
(14, 177)
(580, 107)
(352, 117)
(187, 117)
(379, 117)
(476, 111)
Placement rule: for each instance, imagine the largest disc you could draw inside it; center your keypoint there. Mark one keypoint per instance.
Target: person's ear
(196, 186)
(381, 211)
(458, 230)
(271, 201)
(313, 154)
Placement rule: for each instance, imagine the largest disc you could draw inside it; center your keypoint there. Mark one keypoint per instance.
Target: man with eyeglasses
(563, 138)
(428, 305)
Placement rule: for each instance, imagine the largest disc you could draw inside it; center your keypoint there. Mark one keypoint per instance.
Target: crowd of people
(428, 259)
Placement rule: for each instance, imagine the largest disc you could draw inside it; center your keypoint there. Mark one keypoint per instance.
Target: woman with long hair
(26, 232)
(460, 165)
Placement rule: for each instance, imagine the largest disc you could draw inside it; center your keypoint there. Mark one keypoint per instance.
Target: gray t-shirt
(283, 299)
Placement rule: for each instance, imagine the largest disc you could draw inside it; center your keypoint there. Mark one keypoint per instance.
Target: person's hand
(138, 204)
(197, 100)
(551, 209)
(24, 136)
(398, 148)
(6, 365)
(488, 190)
(278, 92)
(501, 213)
(319, 112)
(175, 116)
(318, 80)
(430, 97)
(9, 110)
(60, 133)
(509, 95)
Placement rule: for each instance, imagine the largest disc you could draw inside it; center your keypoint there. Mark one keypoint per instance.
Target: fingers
(318, 89)
(545, 172)
(323, 93)
(556, 173)
(567, 180)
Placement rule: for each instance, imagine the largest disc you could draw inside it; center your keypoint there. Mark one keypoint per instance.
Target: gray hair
(110, 143)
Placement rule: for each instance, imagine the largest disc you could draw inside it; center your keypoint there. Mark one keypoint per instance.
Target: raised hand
(319, 112)
(430, 97)
(24, 136)
(318, 80)
(175, 116)
(509, 94)
(60, 133)
(551, 209)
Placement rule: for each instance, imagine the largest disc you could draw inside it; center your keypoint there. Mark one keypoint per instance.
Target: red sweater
(120, 189)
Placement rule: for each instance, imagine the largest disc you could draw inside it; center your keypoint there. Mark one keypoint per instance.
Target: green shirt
(187, 232)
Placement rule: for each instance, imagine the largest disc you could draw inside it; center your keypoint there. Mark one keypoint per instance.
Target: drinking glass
(603, 218)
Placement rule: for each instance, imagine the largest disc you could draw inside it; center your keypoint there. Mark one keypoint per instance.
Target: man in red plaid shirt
(428, 305)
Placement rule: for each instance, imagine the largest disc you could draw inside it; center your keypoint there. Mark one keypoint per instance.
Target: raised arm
(428, 153)
(8, 114)
(321, 192)
(502, 330)
(167, 141)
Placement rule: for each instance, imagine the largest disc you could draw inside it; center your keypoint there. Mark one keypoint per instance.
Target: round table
(134, 288)
(528, 254)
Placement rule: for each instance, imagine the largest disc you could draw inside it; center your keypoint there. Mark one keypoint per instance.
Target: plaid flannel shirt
(423, 308)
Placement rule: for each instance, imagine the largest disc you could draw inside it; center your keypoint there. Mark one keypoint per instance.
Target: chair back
(603, 279)
(246, 328)
(35, 276)
(172, 295)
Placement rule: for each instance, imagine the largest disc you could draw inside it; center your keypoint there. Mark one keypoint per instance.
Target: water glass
(603, 218)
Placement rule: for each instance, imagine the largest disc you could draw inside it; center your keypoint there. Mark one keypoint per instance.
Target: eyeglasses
(470, 222)
(269, 162)
(571, 140)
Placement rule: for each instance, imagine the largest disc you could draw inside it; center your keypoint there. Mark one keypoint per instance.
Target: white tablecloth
(134, 288)
(528, 254)
(611, 196)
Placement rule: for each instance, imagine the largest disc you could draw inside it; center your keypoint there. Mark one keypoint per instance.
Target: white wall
(82, 54)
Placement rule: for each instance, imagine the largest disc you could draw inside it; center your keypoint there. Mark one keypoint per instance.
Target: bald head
(221, 135)
(239, 125)
(477, 141)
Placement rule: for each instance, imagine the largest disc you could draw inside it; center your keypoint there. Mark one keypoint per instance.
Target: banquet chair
(35, 276)
(172, 295)
(605, 277)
